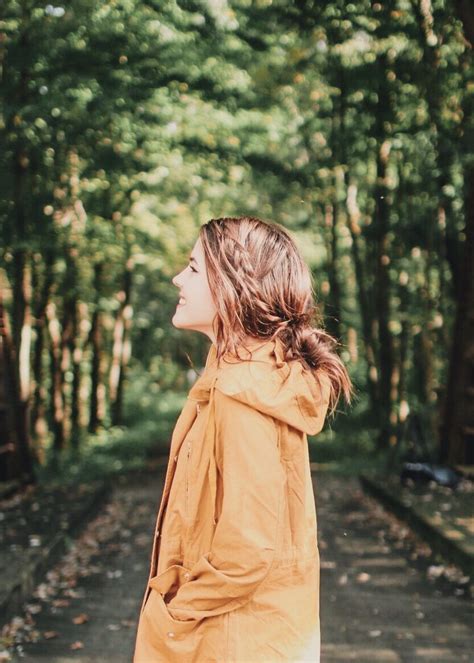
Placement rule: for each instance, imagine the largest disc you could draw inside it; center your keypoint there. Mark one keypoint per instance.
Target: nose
(175, 280)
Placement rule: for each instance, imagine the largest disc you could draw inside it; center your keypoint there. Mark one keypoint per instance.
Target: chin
(180, 324)
(175, 322)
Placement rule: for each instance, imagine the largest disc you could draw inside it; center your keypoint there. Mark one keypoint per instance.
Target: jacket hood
(286, 391)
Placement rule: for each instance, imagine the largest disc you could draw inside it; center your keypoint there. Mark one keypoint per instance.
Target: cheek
(203, 297)
(210, 305)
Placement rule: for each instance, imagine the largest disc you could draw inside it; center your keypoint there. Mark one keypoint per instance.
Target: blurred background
(126, 124)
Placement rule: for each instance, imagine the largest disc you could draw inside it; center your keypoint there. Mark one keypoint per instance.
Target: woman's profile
(235, 564)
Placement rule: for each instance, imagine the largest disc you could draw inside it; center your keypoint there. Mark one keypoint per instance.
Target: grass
(346, 444)
(118, 449)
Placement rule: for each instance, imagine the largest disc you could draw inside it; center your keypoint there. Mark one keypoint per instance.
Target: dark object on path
(416, 444)
(425, 472)
(411, 446)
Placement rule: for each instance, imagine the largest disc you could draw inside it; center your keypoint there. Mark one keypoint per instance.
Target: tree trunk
(38, 412)
(9, 460)
(443, 235)
(382, 275)
(339, 140)
(333, 310)
(79, 385)
(76, 356)
(57, 394)
(353, 218)
(16, 342)
(68, 346)
(457, 428)
(15, 449)
(121, 347)
(95, 337)
(8, 469)
(403, 347)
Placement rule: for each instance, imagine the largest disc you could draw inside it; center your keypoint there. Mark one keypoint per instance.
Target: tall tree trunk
(339, 139)
(443, 235)
(76, 352)
(353, 219)
(457, 428)
(333, 310)
(22, 346)
(95, 337)
(8, 469)
(403, 346)
(38, 411)
(16, 451)
(332, 217)
(57, 393)
(382, 275)
(81, 399)
(17, 341)
(68, 345)
(121, 346)
(428, 394)
(9, 453)
(72, 341)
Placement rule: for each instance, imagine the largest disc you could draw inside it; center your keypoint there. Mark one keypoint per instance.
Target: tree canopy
(126, 124)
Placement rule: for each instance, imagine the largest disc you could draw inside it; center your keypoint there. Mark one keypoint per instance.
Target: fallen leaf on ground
(328, 564)
(435, 571)
(127, 622)
(76, 645)
(33, 608)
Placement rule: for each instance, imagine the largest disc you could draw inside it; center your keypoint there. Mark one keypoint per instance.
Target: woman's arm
(245, 538)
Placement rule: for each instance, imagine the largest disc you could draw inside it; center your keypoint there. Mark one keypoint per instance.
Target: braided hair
(262, 288)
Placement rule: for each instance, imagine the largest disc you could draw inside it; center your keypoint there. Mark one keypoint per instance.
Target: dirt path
(87, 609)
(382, 599)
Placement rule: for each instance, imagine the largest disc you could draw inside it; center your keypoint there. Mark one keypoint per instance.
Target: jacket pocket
(164, 624)
(161, 638)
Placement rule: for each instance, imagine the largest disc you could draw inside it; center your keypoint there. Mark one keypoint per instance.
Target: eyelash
(192, 269)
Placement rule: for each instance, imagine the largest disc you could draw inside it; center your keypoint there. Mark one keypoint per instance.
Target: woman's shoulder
(286, 391)
(237, 376)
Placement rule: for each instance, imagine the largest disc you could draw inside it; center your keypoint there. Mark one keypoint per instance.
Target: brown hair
(262, 288)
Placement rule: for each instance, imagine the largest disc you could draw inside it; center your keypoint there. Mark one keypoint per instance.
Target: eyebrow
(192, 259)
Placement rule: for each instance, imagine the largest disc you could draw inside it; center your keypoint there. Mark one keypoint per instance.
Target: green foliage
(125, 125)
(118, 449)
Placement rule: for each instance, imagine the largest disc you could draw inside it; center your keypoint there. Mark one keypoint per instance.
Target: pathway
(381, 599)
(382, 596)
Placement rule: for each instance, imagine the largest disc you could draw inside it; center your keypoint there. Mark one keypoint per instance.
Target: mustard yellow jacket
(235, 564)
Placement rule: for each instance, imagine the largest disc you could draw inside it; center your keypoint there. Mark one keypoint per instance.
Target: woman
(235, 564)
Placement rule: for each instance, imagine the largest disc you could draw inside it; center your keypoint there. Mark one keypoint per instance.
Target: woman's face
(195, 309)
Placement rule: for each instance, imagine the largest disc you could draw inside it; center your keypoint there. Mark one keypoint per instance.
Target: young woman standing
(235, 564)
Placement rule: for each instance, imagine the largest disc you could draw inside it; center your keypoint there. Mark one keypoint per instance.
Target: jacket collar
(262, 351)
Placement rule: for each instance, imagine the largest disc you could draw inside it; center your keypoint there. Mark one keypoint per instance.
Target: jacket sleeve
(245, 538)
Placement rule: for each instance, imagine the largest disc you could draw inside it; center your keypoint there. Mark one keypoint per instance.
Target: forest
(126, 124)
